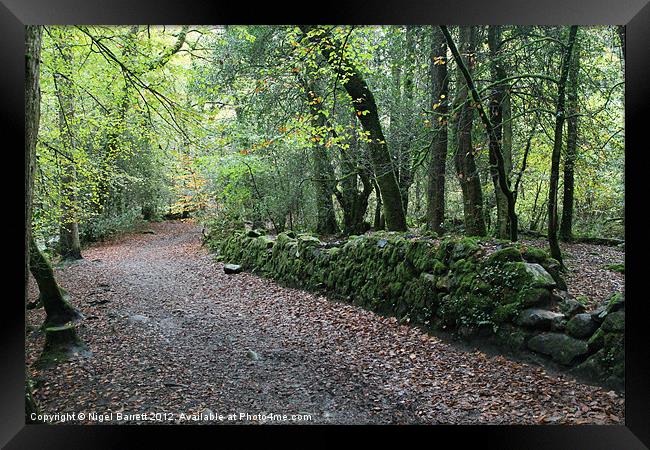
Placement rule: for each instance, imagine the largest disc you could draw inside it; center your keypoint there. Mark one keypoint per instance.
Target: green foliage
(104, 226)
(616, 267)
(217, 122)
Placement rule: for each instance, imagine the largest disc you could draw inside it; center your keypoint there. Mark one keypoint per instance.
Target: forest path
(171, 333)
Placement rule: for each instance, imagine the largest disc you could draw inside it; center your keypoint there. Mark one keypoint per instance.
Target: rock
(429, 277)
(614, 321)
(381, 243)
(581, 326)
(138, 318)
(570, 307)
(512, 337)
(591, 368)
(231, 268)
(596, 341)
(508, 254)
(559, 324)
(599, 314)
(541, 278)
(250, 354)
(616, 302)
(536, 296)
(535, 255)
(562, 348)
(540, 319)
(554, 268)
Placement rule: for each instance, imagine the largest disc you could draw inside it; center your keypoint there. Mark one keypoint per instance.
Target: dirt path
(177, 335)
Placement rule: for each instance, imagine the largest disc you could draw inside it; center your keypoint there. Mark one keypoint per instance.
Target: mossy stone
(508, 254)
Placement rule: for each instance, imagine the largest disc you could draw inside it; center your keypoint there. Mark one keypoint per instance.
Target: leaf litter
(172, 333)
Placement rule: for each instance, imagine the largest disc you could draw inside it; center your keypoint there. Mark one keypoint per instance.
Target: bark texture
(438, 148)
(69, 244)
(464, 160)
(502, 126)
(33, 35)
(557, 148)
(566, 226)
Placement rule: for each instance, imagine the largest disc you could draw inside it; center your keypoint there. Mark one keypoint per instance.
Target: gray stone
(429, 277)
(559, 324)
(570, 307)
(250, 354)
(562, 348)
(382, 243)
(138, 318)
(541, 319)
(541, 278)
(536, 296)
(614, 321)
(599, 314)
(512, 337)
(231, 268)
(616, 302)
(581, 326)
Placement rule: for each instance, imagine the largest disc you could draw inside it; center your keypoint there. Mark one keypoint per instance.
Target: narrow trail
(171, 333)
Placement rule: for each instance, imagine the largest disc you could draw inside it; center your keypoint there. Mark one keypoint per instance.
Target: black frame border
(635, 14)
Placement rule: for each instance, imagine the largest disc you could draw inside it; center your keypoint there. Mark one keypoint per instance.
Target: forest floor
(169, 332)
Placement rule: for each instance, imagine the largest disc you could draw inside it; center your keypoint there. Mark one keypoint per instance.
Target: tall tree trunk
(366, 108)
(566, 226)
(465, 163)
(57, 309)
(438, 148)
(405, 156)
(32, 118)
(557, 148)
(69, 245)
(323, 172)
(494, 142)
(500, 117)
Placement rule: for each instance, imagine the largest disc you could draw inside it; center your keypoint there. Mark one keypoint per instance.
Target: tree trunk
(499, 107)
(354, 202)
(494, 141)
(566, 226)
(59, 311)
(557, 148)
(438, 149)
(366, 108)
(405, 155)
(69, 245)
(324, 182)
(465, 164)
(32, 118)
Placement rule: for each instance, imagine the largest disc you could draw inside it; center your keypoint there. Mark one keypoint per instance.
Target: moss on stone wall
(460, 284)
(413, 278)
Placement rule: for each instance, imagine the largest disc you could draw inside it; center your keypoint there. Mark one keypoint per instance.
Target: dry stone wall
(508, 293)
